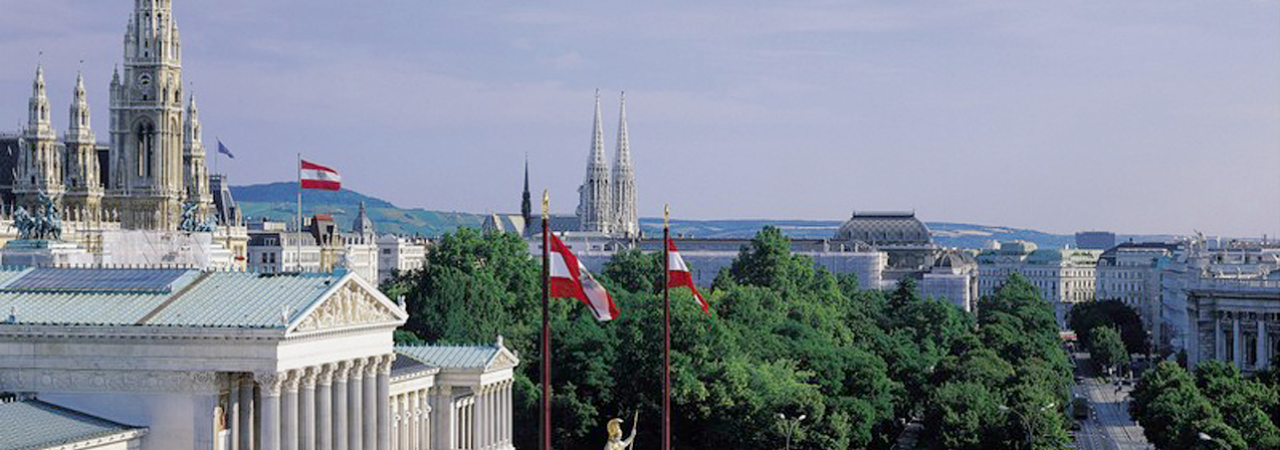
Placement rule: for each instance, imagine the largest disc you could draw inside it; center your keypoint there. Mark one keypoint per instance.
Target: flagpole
(298, 256)
(546, 325)
(666, 315)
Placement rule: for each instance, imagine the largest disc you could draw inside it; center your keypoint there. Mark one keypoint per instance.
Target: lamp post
(789, 426)
(1026, 424)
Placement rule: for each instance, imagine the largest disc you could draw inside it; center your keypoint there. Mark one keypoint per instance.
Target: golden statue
(615, 434)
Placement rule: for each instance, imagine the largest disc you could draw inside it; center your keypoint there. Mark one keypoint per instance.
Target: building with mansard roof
(165, 358)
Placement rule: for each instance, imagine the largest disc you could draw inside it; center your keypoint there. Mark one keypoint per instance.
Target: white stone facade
(400, 255)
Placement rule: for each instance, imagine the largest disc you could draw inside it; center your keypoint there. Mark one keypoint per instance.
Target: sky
(1142, 116)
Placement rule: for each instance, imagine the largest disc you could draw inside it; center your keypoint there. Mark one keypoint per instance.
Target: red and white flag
(569, 278)
(315, 176)
(678, 274)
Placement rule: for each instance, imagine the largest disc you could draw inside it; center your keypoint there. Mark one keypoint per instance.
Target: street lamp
(789, 426)
(1026, 424)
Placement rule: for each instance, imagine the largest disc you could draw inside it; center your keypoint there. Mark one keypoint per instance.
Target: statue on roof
(193, 223)
(616, 442)
(44, 225)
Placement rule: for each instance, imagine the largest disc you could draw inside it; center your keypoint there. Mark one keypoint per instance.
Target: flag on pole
(315, 176)
(569, 278)
(223, 150)
(678, 274)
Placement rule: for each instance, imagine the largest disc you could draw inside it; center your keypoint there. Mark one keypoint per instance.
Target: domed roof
(954, 259)
(885, 229)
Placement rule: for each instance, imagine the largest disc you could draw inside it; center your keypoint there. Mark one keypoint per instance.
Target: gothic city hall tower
(146, 157)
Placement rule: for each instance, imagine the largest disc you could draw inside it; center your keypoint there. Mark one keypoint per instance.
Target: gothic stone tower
(195, 174)
(595, 211)
(39, 168)
(627, 221)
(146, 121)
(83, 200)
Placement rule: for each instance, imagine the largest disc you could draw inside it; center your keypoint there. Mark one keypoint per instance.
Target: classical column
(442, 419)
(424, 420)
(411, 421)
(355, 411)
(370, 397)
(307, 409)
(1262, 362)
(478, 428)
(396, 424)
(508, 427)
(1219, 340)
(324, 407)
(232, 414)
(289, 411)
(245, 419)
(1237, 343)
(340, 409)
(269, 386)
(384, 399)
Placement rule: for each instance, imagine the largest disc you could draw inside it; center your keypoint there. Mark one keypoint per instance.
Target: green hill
(278, 201)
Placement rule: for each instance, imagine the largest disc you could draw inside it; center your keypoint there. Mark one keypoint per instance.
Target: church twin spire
(607, 202)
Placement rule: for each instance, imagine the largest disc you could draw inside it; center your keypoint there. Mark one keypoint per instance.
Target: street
(1108, 426)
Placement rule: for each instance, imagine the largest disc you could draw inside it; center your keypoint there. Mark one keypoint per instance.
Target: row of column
(484, 418)
(1263, 348)
(411, 421)
(335, 406)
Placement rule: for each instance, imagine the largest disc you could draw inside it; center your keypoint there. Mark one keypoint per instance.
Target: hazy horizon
(1146, 117)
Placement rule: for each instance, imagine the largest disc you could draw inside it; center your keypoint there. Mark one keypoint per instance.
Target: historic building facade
(165, 359)
(1063, 276)
(155, 162)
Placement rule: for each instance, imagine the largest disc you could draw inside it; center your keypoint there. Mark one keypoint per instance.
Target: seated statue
(615, 434)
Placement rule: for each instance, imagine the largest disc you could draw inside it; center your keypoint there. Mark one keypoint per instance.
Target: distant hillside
(278, 201)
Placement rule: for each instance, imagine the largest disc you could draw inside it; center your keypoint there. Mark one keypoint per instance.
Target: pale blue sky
(1150, 116)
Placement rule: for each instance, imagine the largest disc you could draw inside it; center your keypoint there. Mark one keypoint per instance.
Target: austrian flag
(315, 176)
(569, 278)
(679, 275)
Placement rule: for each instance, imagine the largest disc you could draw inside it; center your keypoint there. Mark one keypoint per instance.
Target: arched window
(145, 151)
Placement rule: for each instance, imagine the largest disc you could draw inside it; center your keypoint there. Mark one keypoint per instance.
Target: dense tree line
(1214, 408)
(782, 337)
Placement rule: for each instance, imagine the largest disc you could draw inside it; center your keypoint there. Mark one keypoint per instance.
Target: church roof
(34, 424)
(161, 297)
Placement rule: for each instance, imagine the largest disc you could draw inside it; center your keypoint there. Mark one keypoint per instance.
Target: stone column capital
(270, 382)
(310, 375)
(324, 376)
(357, 368)
(384, 365)
(292, 380)
(371, 366)
(341, 370)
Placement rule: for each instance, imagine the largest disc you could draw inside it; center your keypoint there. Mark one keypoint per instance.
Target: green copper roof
(35, 424)
(188, 298)
(450, 357)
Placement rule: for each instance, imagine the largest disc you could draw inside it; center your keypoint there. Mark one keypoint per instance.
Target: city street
(1109, 426)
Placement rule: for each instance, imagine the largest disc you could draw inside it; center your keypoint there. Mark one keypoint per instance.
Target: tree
(1107, 350)
(1086, 317)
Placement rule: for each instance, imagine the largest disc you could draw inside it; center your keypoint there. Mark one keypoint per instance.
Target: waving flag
(223, 150)
(569, 278)
(315, 176)
(678, 274)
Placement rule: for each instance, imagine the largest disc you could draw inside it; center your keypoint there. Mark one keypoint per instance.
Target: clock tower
(146, 158)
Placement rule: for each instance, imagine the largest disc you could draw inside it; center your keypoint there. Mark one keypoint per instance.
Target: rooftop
(34, 424)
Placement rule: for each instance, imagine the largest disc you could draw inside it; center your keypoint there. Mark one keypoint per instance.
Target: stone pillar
(478, 428)
(1262, 362)
(355, 411)
(289, 411)
(424, 421)
(307, 409)
(232, 414)
(1237, 343)
(245, 414)
(269, 387)
(413, 403)
(442, 419)
(508, 427)
(1219, 340)
(396, 424)
(383, 388)
(370, 397)
(324, 407)
(340, 408)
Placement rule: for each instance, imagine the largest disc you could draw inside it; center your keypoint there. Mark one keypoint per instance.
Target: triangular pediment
(351, 303)
(502, 359)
